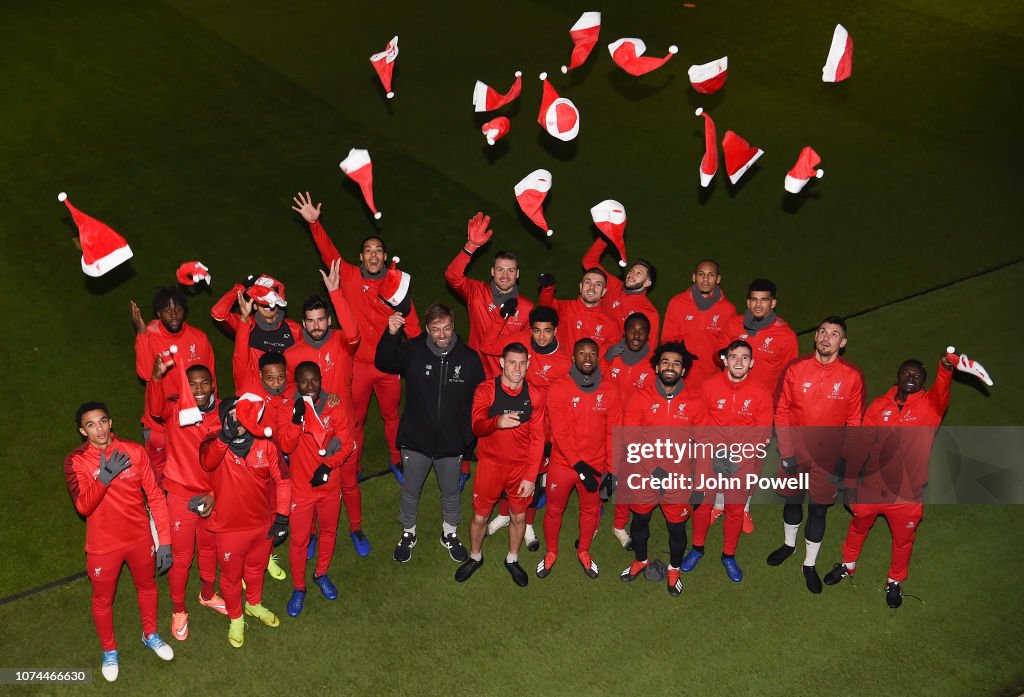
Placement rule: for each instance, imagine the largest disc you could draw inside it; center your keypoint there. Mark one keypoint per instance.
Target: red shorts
(492, 480)
(673, 512)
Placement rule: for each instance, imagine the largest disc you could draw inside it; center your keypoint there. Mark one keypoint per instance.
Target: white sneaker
(623, 537)
(532, 543)
(497, 523)
(110, 665)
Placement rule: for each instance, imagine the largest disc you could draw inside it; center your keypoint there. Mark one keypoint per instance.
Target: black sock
(698, 548)
(727, 556)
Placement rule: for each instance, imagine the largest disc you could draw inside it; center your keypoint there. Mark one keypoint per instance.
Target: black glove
(546, 280)
(790, 464)
(250, 281)
(163, 559)
(508, 308)
(229, 428)
(278, 529)
(656, 476)
(320, 475)
(588, 475)
(724, 466)
(839, 472)
(608, 485)
(111, 466)
(299, 411)
(198, 506)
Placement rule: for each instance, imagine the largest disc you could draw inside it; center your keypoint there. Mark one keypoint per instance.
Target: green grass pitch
(187, 125)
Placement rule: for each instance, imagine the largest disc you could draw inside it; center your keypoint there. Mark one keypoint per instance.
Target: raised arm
(311, 214)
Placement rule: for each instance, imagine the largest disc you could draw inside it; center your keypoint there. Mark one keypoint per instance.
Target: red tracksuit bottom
(733, 523)
(903, 519)
(561, 483)
(104, 570)
(189, 531)
(367, 380)
(242, 555)
(325, 510)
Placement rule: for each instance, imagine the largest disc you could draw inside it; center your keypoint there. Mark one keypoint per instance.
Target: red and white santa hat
(530, 194)
(486, 98)
(496, 129)
(628, 54)
(312, 425)
(839, 64)
(708, 163)
(102, 248)
(384, 64)
(803, 170)
(249, 410)
(192, 272)
(267, 291)
(558, 115)
(739, 155)
(359, 168)
(395, 285)
(610, 218)
(188, 409)
(584, 37)
(709, 77)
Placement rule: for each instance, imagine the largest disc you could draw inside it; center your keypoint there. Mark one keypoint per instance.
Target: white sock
(747, 506)
(850, 566)
(510, 557)
(720, 501)
(411, 530)
(812, 552)
(448, 529)
(892, 580)
(791, 531)
(673, 568)
(476, 557)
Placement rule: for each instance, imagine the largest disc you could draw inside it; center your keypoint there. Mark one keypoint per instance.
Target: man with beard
(668, 402)
(583, 409)
(318, 440)
(360, 285)
(698, 317)
(189, 493)
(441, 374)
(897, 471)
(261, 302)
(629, 295)
(740, 412)
(332, 351)
(771, 338)
(822, 395)
(585, 317)
(496, 310)
(111, 484)
(628, 364)
(155, 339)
(508, 421)
(549, 362)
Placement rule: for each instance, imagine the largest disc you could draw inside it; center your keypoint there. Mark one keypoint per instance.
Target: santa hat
(839, 63)
(966, 365)
(192, 272)
(496, 129)
(188, 411)
(803, 170)
(739, 155)
(530, 195)
(584, 37)
(249, 410)
(360, 170)
(395, 286)
(102, 248)
(312, 424)
(268, 291)
(558, 115)
(486, 98)
(708, 163)
(709, 78)
(629, 55)
(610, 218)
(384, 63)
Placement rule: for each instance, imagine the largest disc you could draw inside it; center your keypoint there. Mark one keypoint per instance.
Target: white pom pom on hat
(173, 348)
(62, 197)
(268, 432)
(673, 49)
(322, 452)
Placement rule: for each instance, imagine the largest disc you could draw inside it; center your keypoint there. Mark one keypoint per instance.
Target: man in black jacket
(441, 374)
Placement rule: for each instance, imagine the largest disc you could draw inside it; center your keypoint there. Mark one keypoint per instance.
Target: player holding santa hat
(170, 308)
(630, 294)
(361, 285)
(496, 303)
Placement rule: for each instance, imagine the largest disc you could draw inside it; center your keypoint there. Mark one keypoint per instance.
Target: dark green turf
(188, 125)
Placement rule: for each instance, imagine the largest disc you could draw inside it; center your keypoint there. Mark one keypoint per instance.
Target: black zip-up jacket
(437, 419)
